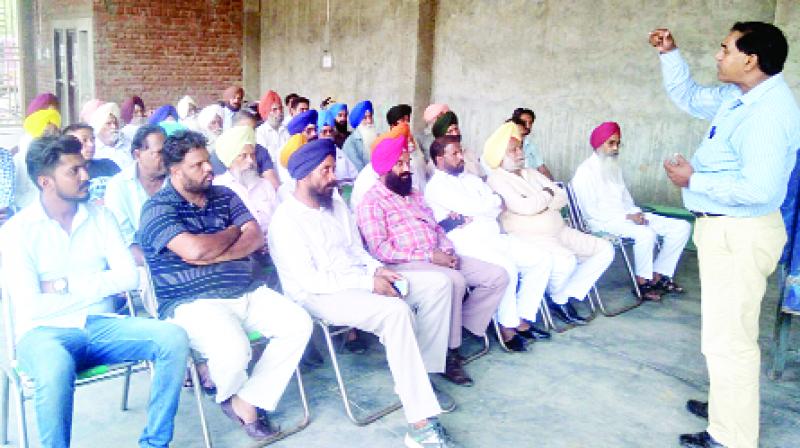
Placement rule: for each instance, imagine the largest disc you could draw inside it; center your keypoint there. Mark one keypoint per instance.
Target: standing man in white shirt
(272, 133)
(323, 266)
(64, 259)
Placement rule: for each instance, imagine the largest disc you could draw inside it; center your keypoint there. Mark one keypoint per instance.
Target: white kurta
(273, 140)
(261, 199)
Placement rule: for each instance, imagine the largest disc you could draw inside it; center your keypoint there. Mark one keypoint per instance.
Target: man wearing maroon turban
(608, 207)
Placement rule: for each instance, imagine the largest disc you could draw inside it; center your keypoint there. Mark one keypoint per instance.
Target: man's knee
(171, 340)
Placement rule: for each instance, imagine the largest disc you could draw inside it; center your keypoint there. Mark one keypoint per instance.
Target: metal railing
(11, 112)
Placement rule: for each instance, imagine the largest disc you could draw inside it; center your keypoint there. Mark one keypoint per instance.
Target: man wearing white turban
(110, 142)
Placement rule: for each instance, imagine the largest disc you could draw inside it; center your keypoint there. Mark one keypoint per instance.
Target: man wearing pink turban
(400, 230)
(608, 207)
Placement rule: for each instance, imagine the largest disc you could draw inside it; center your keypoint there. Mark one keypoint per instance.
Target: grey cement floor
(619, 382)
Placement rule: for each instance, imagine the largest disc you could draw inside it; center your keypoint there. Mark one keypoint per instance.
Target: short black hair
(297, 100)
(516, 120)
(74, 127)
(179, 144)
(440, 144)
(395, 113)
(765, 41)
(289, 98)
(245, 114)
(520, 111)
(44, 154)
(140, 138)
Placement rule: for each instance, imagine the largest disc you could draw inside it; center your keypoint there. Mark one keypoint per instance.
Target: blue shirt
(532, 157)
(166, 215)
(7, 179)
(743, 165)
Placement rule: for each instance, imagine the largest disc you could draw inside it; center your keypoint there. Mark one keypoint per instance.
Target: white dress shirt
(364, 181)
(259, 198)
(601, 200)
(92, 257)
(318, 251)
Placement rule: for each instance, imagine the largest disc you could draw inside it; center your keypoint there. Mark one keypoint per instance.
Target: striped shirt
(743, 164)
(166, 215)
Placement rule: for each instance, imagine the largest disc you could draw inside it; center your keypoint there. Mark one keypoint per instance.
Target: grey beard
(248, 177)
(610, 170)
(510, 164)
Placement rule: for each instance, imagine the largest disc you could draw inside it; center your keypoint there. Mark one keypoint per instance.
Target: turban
(400, 129)
(265, 105)
(387, 153)
(443, 123)
(301, 121)
(433, 111)
(171, 127)
(336, 108)
(207, 115)
(183, 106)
(126, 110)
(88, 109)
(602, 133)
(395, 113)
(100, 115)
(292, 145)
(496, 146)
(42, 101)
(231, 92)
(357, 114)
(35, 123)
(309, 156)
(326, 118)
(229, 145)
(162, 113)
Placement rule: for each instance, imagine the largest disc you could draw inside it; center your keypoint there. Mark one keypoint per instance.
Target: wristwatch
(60, 286)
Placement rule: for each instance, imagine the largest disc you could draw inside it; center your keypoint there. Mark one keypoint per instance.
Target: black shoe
(573, 314)
(446, 402)
(698, 408)
(357, 346)
(534, 334)
(454, 369)
(565, 313)
(516, 344)
(311, 358)
(699, 440)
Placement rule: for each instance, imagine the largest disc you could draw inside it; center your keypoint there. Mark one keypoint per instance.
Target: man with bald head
(608, 207)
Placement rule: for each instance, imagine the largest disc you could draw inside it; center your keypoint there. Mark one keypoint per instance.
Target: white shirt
(25, 191)
(92, 257)
(601, 201)
(318, 251)
(129, 131)
(467, 195)
(260, 198)
(125, 197)
(120, 153)
(364, 181)
(274, 140)
(345, 170)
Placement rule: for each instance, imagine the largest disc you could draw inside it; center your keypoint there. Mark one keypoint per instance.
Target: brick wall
(164, 50)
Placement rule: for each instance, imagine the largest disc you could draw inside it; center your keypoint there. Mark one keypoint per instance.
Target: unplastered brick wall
(163, 50)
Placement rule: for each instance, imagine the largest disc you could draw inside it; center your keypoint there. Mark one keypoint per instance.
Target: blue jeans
(52, 356)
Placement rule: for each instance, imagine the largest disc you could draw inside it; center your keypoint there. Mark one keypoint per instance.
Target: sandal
(649, 291)
(668, 285)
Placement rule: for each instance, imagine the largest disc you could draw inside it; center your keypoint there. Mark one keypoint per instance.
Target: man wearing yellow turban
(533, 213)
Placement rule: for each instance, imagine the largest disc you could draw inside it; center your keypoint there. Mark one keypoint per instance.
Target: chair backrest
(575, 214)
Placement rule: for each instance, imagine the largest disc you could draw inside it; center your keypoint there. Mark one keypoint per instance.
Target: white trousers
(528, 267)
(573, 276)
(218, 328)
(675, 232)
(414, 330)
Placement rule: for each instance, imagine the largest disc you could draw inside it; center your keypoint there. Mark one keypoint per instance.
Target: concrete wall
(578, 64)
(375, 48)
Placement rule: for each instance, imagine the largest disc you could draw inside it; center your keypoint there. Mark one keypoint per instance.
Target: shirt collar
(761, 89)
(40, 215)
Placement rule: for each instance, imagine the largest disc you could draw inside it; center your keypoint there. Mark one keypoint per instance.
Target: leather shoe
(698, 408)
(259, 429)
(454, 369)
(516, 344)
(565, 313)
(534, 334)
(699, 440)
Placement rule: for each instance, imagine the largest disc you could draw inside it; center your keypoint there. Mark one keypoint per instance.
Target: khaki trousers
(736, 255)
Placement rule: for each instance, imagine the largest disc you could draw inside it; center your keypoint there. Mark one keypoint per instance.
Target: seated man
(327, 127)
(110, 143)
(608, 207)
(197, 239)
(356, 147)
(236, 149)
(323, 266)
(264, 162)
(64, 259)
(468, 209)
(447, 124)
(400, 230)
(100, 170)
(272, 133)
(533, 159)
(532, 212)
(367, 177)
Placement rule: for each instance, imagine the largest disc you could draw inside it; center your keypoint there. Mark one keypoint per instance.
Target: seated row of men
(197, 234)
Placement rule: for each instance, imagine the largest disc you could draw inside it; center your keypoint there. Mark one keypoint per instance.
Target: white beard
(249, 178)
(511, 165)
(610, 170)
(368, 135)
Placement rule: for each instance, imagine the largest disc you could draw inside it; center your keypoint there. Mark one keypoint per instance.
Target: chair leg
(343, 389)
(500, 336)
(639, 299)
(483, 351)
(22, 423)
(126, 385)
(198, 397)
(550, 322)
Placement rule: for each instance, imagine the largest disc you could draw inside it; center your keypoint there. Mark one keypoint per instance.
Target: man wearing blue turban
(357, 145)
(306, 123)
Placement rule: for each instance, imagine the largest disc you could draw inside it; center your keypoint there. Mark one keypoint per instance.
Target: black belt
(706, 215)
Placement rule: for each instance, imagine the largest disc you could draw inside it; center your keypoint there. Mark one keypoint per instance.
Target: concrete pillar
(251, 51)
(423, 73)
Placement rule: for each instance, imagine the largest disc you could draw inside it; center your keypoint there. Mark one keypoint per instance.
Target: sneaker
(432, 435)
